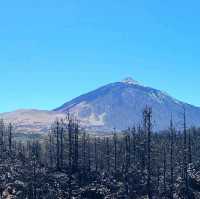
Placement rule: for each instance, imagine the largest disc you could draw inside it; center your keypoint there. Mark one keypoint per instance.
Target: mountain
(119, 105)
(116, 105)
(30, 120)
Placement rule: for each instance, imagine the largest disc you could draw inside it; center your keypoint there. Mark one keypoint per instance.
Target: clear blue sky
(54, 50)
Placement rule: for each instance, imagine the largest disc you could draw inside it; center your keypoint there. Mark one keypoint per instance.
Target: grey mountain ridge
(116, 105)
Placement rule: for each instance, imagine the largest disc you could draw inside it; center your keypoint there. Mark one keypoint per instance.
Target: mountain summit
(120, 105)
(129, 80)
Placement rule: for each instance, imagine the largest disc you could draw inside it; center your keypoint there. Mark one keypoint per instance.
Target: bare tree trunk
(57, 147)
(115, 151)
(10, 128)
(171, 159)
(70, 131)
(2, 130)
(164, 169)
(185, 164)
(95, 154)
(76, 158)
(108, 154)
(89, 153)
(189, 149)
(148, 125)
(134, 144)
(61, 145)
(84, 151)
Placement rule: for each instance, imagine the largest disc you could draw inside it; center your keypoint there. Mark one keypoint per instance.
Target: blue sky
(52, 51)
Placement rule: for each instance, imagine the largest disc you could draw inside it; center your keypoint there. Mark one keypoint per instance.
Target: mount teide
(117, 105)
(120, 105)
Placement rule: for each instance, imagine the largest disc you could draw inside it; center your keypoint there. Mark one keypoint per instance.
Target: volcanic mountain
(120, 105)
(116, 105)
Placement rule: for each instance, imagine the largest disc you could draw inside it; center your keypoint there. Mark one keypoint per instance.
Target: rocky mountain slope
(120, 105)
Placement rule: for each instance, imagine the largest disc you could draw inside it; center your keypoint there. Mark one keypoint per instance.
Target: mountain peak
(129, 80)
(121, 104)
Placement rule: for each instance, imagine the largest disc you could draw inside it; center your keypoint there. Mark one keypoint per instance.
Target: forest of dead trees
(137, 163)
